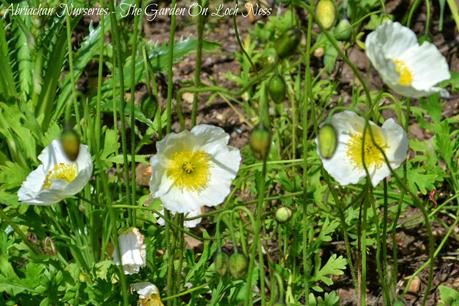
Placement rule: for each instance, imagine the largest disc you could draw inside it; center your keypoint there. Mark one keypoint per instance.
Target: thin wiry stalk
(121, 106)
(132, 109)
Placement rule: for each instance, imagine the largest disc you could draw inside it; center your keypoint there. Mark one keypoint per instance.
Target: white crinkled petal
(224, 167)
(31, 191)
(340, 166)
(144, 289)
(133, 253)
(187, 223)
(397, 141)
(53, 154)
(84, 164)
(179, 200)
(427, 65)
(393, 38)
(211, 138)
(392, 41)
(30, 188)
(175, 142)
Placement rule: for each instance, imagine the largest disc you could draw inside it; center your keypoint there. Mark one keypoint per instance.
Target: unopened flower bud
(260, 141)
(343, 30)
(283, 214)
(287, 43)
(327, 141)
(70, 142)
(238, 265)
(326, 13)
(277, 88)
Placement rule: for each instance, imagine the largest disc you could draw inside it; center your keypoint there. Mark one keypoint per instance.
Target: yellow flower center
(373, 156)
(61, 171)
(189, 170)
(406, 78)
(153, 300)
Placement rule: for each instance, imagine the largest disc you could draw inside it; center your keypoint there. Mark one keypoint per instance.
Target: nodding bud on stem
(328, 141)
(238, 265)
(277, 88)
(221, 263)
(283, 214)
(260, 141)
(70, 142)
(326, 13)
(343, 30)
(287, 43)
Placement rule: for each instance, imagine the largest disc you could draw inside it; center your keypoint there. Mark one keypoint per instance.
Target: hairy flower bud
(326, 13)
(287, 43)
(277, 88)
(327, 141)
(260, 141)
(70, 142)
(238, 265)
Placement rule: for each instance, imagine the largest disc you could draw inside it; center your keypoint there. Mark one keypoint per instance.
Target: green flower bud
(221, 263)
(328, 141)
(326, 13)
(283, 214)
(287, 43)
(238, 265)
(260, 142)
(70, 142)
(343, 30)
(277, 88)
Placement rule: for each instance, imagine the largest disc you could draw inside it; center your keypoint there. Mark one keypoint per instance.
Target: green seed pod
(326, 13)
(283, 214)
(221, 263)
(277, 88)
(70, 142)
(260, 141)
(287, 43)
(343, 30)
(328, 141)
(238, 265)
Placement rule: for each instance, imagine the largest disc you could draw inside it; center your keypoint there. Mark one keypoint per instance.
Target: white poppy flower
(187, 223)
(193, 168)
(57, 177)
(405, 66)
(133, 251)
(148, 294)
(346, 164)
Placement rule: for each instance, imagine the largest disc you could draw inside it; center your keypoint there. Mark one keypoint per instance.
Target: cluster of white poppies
(361, 149)
(193, 169)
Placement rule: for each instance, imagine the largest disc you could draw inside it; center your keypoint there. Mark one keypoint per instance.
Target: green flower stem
(385, 263)
(379, 266)
(309, 102)
(197, 70)
(98, 122)
(257, 231)
(72, 78)
(170, 73)
(171, 235)
(117, 48)
(132, 110)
